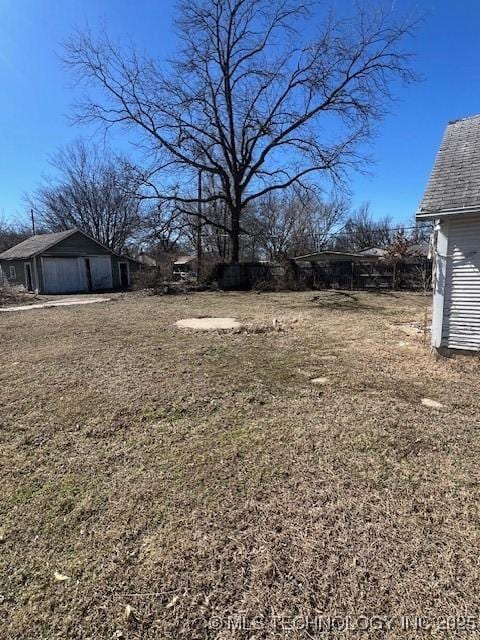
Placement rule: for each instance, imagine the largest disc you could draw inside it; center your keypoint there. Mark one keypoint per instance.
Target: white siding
(461, 322)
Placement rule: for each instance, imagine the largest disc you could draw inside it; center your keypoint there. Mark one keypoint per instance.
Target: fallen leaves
(173, 602)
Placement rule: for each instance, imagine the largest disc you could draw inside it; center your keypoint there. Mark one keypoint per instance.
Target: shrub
(152, 279)
(10, 295)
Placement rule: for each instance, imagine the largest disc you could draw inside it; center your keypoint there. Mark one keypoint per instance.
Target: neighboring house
(452, 199)
(414, 253)
(376, 252)
(185, 267)
(323, 257)
(66, 262)
(366, 269)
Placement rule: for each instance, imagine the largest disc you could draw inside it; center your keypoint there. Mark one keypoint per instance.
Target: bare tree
(396, 253)
(421, 231)
(12, 234)
(213, 224)
(93, 191)
(297, 222)
(363, 231)
(164, 228)
(248, 100)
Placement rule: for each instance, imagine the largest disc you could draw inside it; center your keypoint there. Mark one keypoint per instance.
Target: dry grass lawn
(163, 483)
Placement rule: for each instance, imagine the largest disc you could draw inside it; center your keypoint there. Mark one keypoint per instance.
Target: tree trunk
(235, 236)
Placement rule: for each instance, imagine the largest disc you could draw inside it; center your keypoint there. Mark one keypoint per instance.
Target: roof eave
(446, 213)
(33, 254)
(331, 256)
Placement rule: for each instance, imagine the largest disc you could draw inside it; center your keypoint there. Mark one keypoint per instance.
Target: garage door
(101, 271)
(64, 275)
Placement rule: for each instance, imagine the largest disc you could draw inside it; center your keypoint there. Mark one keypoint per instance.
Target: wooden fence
(330, 275)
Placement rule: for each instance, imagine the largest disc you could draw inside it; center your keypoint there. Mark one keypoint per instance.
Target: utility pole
(33, 221)
(199, 227)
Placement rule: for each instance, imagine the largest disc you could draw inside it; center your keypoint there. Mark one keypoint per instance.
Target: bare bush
(151, 279)
(10, 295)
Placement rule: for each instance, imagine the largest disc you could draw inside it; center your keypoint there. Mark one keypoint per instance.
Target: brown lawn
(186, 482)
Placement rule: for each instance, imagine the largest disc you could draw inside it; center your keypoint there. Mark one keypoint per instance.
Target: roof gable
(454, 183)
(35, 244)
(38, 244)
(41, 243)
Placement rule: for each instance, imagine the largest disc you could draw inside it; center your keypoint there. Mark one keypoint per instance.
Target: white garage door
(64, 275)
(101, 271)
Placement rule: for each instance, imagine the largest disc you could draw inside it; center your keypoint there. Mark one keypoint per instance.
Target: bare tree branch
(93, 191)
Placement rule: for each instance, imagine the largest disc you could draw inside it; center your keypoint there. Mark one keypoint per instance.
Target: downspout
(440, 256)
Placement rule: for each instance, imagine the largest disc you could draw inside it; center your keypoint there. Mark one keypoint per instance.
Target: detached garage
(66, 262)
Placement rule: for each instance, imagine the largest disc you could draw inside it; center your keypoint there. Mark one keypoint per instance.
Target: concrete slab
(55, 303)
(209, 324)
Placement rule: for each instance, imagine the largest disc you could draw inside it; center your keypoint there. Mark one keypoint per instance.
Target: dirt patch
(209, 324)
(412, 329)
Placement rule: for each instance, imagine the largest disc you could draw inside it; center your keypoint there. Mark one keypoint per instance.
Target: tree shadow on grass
(344, 300)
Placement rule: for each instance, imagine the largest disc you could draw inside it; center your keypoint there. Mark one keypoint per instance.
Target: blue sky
(37, 94)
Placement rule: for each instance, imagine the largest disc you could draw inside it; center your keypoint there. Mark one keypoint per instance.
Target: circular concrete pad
(322, 380)
(209, 324)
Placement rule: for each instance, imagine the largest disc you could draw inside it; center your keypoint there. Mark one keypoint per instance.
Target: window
(13, 273)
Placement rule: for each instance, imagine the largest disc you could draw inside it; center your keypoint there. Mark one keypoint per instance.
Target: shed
(66, 262)
(452, 200)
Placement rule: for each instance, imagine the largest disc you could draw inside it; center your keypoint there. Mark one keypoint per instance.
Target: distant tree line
(102, 194)
(12, 234)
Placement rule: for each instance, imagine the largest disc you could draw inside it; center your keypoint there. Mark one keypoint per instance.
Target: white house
(452, 200)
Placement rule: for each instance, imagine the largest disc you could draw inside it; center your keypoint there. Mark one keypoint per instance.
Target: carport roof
(35, 245)
(335, 256)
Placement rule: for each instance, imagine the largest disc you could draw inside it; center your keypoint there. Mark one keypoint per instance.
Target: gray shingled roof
(35, 245)
(455, 179)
